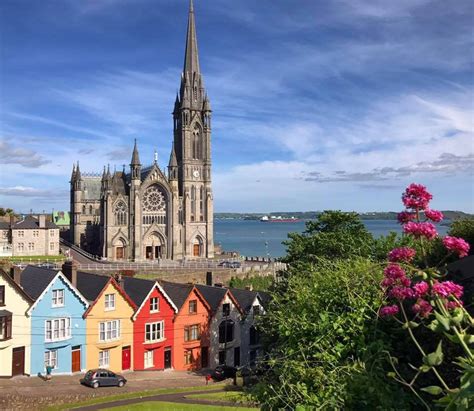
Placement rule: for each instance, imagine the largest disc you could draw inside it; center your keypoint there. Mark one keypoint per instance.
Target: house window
(51, 233)
(5, 234)
(154, 304)
(225, 310)
(193, 307)
(35, 233)
(222, 357)
(154, 331)
(226, 331)
(6, 327)
(188, 357)
(51, 359)
(21, 233)
(58, 298)
(31, 246)
(2, 295)
(148, 359)
(109, 330)
(109, 302)
(51, 246)
(192, 332)
(254, 337)
(58, 329)
(104, 358)
(256, 310)
(21, 247)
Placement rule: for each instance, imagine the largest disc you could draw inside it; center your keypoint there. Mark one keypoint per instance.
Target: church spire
(191, 59)
(135, 156)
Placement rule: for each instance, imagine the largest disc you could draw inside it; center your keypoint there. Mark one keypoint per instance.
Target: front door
(167, 358)
(119, 253)
(76, 359)
(158, 251)
(18, 361)
(149, 253)
(237, 357)
(204, 357)
(126, 358)
(196, 250)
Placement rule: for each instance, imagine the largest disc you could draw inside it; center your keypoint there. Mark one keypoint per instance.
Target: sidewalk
(22, 392)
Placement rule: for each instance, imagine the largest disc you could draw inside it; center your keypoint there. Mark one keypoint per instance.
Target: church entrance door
(149, 253)
(196, 250)
(119, 253)
(158, 251)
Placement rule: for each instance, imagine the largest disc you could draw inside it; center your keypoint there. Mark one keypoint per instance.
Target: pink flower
(422, 307)
(421, 288)
(456, 245)
(401, 254)
(405, 217)
(394, 271)
(388, 310)
(434, 215)
(451, 305)
(401, 293)
(416, 197)
(418, 230)
(447, 288)
(387, 282)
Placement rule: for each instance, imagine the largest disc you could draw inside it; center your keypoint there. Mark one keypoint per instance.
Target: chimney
(69, 269)
(16, 271)
(249, 287)
(12, 220)
(209, 278)
(120, 280)
(42, 221)
(220, 285)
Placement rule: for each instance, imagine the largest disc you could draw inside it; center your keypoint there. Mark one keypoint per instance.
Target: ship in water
(279, 219)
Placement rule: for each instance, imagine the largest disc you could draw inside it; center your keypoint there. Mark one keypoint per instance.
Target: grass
(132, 395)
(169, 406)
(34, 258)
(228, 396)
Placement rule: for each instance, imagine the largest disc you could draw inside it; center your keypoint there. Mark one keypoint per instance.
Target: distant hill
(311, 215)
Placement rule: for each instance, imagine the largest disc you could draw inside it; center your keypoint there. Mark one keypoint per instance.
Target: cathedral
(149, 213)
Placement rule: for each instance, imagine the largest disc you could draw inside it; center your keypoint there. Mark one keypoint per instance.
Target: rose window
(154, 200)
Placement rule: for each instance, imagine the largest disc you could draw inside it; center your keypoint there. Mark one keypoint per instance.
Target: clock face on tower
(196, 174)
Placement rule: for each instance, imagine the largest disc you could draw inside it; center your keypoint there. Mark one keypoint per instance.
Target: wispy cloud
(21, 191)
(9, 154)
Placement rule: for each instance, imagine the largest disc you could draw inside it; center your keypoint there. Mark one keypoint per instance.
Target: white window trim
(158, 305)
(147, 364)
(107, 305)
(103, 364)
(56, 292)
(162, 332)
(67, 329)
(49, 355)
(117, 322)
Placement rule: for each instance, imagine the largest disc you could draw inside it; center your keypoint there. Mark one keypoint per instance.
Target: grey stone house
(148, 213)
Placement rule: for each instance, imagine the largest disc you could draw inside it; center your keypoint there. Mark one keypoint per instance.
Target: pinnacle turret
(191, 59)
(135, 156)
(78, 172)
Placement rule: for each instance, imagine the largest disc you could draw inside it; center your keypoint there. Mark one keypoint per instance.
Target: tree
(464, 228)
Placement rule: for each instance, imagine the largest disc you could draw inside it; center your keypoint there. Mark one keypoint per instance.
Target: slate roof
(92, 187)
(245, 298)
(34, 280)
(4, 225)
(30, 222)
(137, 289)
(17, 287)
(90, 285)
(213, 295)
(177, 292)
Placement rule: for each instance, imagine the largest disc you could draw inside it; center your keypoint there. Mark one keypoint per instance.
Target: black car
(103, 378)
(222, 372)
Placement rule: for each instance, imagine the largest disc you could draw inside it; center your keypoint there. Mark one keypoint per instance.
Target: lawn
(227, 396)
(34, 258)
(169, 406)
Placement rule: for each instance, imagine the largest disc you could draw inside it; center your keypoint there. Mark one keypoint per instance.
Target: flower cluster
(456, 245)
(447, 289)
(405, 217)
(418, 230)
(416, 197)
(388, 310)
(434, 215)
(422, 307)
(405, 254)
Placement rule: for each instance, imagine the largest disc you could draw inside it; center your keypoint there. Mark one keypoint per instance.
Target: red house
(153, 329)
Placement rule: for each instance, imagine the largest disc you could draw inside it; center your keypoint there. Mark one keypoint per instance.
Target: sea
(253, 238)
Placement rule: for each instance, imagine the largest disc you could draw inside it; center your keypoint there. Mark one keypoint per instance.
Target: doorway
(119, 253)
(167, 358)
(204, 357)
(149, 252)
(237, 357)
(126, 358)
(76, 359)
(158, 252)
(18, 361)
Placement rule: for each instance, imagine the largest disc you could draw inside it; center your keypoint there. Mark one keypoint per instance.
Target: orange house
(191, 327)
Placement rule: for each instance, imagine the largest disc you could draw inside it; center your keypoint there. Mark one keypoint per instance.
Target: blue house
(58, 331)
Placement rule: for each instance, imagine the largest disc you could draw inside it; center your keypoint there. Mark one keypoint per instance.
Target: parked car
(222, 372)
(225, 264)
(235, 264)
(103, 378)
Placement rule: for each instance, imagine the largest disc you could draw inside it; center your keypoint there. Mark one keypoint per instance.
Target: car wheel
(95, 385)
(121, 384)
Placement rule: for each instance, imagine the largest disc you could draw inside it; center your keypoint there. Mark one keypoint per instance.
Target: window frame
(57, 329)
(2, 295)
(154, 330)
(49, 358)
(192, 332)
(154, 304)
(226, 309)
(109, 302)
(109, 331)
(104, 358)
(149, 359)
(6, 327)
(58, 298)
(192, 303)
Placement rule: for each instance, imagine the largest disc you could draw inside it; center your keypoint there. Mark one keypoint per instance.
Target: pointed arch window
(197, 144)
(193, 202)
(201, 202)
(120, 213)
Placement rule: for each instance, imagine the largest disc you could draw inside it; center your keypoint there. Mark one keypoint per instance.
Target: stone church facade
(148, 213)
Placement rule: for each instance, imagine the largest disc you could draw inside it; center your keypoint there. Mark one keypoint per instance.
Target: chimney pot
(69, 269)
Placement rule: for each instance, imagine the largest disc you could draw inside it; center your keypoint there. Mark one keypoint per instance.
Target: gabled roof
(14, 285)
(34, 280)
(90, 285)
(4, 225)
(245, 298)
(265, 298)
(213, 295)
(119, 289)
(180, 292)
(30, 222)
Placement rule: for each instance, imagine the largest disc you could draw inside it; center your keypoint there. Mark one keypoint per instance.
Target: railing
(79, 250)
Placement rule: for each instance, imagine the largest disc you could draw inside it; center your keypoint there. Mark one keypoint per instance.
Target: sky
(317, 104)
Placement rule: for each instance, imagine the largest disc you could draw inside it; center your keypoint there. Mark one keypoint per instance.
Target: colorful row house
(73, 321)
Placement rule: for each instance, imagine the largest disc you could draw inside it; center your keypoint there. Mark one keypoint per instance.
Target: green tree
(464, 228)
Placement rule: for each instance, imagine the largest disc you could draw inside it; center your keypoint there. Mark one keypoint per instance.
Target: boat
(279, 219)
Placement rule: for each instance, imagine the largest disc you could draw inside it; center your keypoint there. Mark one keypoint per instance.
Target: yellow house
(15, 328)
(109, 328)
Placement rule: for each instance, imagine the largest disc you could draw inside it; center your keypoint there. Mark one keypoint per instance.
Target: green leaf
(391, 374)
(425, 368)
(433, 390)
(458, 316)
(435, 358)
(442, 320)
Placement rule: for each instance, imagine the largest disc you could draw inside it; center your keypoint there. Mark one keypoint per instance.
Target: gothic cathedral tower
(190, 159)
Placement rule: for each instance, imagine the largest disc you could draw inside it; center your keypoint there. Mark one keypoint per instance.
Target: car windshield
(89, 374)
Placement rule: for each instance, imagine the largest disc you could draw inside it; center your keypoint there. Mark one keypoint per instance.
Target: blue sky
(316, 104)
